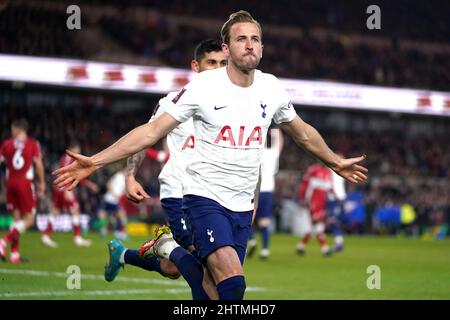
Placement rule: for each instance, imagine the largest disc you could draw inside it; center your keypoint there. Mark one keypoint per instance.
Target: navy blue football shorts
(214, 226)
(177, 222)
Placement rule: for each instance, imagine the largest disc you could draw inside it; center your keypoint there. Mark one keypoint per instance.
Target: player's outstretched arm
(309, 139)
(134, 141)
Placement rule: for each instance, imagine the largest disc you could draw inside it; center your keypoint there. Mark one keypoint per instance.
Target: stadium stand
(408, 156)
(300, 42)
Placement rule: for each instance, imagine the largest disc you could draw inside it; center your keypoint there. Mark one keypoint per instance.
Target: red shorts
(318, 213)
(64, 200)
(20, 196)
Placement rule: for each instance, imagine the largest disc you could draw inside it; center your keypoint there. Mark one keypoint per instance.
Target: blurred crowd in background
(408, 156)
(303, 39)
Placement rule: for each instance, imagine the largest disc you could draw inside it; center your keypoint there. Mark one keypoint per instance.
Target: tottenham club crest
(210, 232)
(263, 106)
(183, 222)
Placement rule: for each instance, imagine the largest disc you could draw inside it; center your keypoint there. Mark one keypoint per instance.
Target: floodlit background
(383, 92)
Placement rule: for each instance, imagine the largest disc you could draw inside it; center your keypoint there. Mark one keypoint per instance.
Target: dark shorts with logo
(177, 222)
(214, 226)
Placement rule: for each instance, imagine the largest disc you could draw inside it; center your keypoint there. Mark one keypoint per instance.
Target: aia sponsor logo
(189, 143)
(243, 137)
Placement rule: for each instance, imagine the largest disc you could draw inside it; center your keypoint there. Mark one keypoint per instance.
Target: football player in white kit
(180, 143)
(232, 109)
(264, 213)
(112, 206)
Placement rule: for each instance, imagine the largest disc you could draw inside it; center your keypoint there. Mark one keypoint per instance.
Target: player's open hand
(351, 170)
(134, 190)
(69, 176)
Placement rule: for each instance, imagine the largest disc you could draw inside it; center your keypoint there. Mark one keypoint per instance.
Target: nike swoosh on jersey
(218, 108)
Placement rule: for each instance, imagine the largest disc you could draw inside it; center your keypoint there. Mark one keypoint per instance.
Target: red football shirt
(19, 155)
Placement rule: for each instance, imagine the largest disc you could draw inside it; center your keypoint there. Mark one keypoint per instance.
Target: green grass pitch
(409, 269)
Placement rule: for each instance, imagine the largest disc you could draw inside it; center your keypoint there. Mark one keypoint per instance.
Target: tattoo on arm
(134, 162)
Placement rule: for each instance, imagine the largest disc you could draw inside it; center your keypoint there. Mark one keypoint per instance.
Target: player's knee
(232, 272)
(224, 263)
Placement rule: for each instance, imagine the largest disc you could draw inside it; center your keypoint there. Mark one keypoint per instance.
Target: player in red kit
(20, 154)
(314, 189)
(64, 200)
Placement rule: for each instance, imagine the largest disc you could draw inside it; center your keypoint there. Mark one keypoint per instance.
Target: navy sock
(119, 224)
(265, 234)
(196, 255)
(132, 257)
(336, 229)
(232, 288)
(192, 271)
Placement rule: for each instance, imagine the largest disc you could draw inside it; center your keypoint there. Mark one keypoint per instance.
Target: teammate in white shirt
(180, 144)
(112, 205)
(338, 197)
(232, 109)
(264, 213)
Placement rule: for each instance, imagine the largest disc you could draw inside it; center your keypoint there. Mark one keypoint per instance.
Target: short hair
(207, 46)
(20, 124)
(237, 17)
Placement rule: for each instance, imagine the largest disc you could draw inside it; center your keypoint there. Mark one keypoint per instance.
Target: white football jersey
(339, 187)
(117, 189)
(269, 168)
(231, 124)
(180, 142)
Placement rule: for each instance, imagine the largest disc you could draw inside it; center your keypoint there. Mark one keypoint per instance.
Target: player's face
(15, 131)
(211, 60)
(245, 48)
